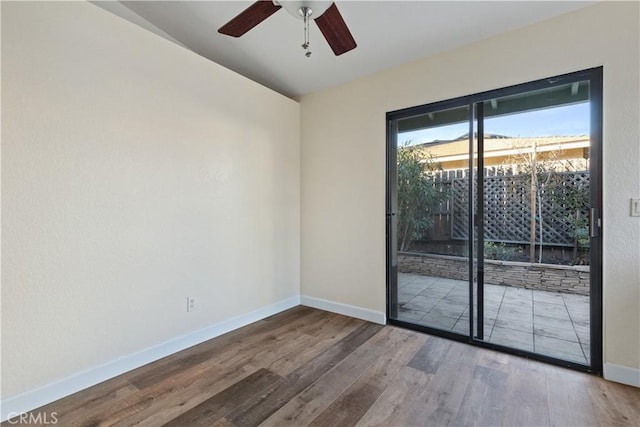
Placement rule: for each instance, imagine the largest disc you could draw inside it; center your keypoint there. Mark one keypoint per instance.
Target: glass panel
(536, 211)
(433, 220)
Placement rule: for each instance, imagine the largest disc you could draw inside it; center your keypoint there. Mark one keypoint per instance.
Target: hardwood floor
(309, 367)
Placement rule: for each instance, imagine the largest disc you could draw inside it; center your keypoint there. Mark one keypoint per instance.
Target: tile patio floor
(543, 322)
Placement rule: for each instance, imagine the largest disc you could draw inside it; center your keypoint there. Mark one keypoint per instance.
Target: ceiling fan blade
(249, 18)
(335, 30)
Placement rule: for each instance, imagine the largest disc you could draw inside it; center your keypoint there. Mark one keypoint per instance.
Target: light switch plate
(635, 207)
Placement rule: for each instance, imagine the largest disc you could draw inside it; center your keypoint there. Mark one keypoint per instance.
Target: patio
(549, 323)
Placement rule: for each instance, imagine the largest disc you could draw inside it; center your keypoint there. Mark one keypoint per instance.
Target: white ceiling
(388, 33)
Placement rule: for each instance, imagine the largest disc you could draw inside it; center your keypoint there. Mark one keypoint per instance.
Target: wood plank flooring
(310, 367)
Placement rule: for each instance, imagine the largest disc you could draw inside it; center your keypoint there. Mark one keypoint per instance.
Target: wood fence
(507, 206)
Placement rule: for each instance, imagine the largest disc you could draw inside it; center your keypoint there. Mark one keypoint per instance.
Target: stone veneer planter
(572, 279)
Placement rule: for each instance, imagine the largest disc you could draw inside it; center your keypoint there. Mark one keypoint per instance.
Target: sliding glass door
(492, 219)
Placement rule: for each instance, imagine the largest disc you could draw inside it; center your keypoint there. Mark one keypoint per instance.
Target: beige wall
(134, 174)
(343, 155)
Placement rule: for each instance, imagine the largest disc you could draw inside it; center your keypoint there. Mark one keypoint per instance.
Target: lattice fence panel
(507, 206)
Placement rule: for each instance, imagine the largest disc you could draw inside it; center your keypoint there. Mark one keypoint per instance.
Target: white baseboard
(622, 374)
(36, 398)
(345, 309)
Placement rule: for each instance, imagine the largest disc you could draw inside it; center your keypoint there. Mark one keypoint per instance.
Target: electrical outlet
(191, 303)
(635, 207)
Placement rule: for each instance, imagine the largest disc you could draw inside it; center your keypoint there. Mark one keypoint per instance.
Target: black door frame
(475, 103)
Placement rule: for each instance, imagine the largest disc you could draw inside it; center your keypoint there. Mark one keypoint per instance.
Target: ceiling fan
(325, 13)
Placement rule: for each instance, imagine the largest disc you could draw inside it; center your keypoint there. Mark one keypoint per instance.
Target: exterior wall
(543, 277)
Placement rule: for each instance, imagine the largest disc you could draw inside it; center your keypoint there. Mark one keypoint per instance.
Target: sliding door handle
(594, 222)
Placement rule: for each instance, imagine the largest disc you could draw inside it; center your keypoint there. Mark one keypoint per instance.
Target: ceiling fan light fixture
(305, 12)
(325, 14)
(296, 8)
